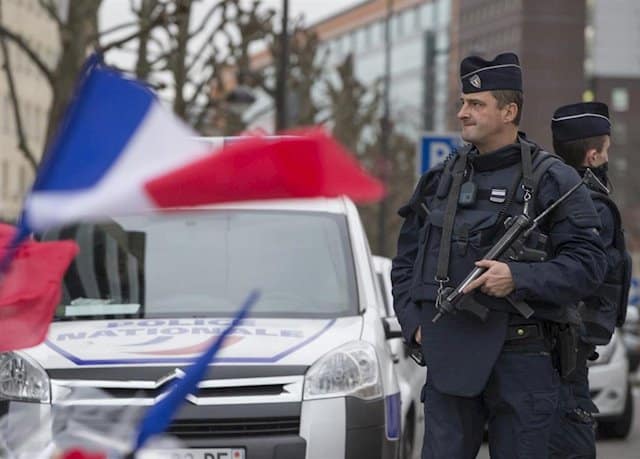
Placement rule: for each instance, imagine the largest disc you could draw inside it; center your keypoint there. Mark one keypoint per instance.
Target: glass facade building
(419, 38)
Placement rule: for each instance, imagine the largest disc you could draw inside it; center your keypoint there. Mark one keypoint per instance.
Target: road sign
(434, 147)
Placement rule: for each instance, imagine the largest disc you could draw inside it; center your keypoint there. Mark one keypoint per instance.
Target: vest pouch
(474, 233)
(468, 245)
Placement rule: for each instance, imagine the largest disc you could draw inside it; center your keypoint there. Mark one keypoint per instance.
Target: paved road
(610, 449)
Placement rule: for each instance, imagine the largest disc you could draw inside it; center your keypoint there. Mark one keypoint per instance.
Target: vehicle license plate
(199, 453)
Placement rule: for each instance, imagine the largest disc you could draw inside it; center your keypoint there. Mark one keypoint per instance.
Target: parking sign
(434, 147)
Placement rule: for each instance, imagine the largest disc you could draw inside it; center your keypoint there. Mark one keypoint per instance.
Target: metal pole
(281, 88)
(385, 129)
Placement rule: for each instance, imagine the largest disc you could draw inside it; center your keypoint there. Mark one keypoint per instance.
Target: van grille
(216, 428)
(236, 391)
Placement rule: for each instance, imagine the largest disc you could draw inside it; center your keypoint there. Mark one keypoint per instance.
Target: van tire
(620, 427)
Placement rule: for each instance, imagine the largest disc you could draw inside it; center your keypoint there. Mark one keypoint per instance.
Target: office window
(336, 46)
(620, 99)
(382, 24)
(426, 15)
(346, 44)
(398, 20)
(620, 132)
(356, 42)
(363, 43)
(368, 43)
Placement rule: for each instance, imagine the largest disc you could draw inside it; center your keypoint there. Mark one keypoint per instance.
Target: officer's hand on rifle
(495, 281)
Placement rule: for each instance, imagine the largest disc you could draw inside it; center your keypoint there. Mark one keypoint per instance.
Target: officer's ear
(509, 112)
(590, 157)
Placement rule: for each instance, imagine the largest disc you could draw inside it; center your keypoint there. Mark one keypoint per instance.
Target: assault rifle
(518, 230)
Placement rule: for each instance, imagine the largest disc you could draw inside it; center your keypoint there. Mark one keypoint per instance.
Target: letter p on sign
(433, 148)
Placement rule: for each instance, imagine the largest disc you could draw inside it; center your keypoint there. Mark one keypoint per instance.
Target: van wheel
(408, 435)
(621, 427)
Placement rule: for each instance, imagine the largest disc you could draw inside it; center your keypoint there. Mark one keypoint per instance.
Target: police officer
(581, 136)
(499, 371)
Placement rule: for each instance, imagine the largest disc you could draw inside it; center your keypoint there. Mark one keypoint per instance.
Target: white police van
(610, 389)
(308, 375)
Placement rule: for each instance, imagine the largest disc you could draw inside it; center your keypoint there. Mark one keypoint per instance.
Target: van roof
(330, 205)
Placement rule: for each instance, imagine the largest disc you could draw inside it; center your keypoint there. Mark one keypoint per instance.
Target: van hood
(161, 342)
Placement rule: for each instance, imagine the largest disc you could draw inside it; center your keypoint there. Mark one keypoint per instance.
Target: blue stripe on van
(393, 415)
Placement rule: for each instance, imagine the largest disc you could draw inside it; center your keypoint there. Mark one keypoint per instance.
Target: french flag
(119, 151)
(115, 137)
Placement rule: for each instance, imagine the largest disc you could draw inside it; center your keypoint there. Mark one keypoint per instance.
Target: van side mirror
(392, 328)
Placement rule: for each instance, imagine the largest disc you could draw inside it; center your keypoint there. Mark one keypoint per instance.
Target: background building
(419, 37)
(16, 174)
(570, 50)
(548, 36)
(613, 74)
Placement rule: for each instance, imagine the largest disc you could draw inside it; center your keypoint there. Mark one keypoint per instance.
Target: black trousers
(517, 406)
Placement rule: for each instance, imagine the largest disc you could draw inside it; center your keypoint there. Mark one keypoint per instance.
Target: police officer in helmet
(501, 371)
(581, 136)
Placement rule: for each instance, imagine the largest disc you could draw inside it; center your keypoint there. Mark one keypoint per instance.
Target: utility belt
(538, 336)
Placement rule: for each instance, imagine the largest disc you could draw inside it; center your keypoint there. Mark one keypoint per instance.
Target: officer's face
(481, 118)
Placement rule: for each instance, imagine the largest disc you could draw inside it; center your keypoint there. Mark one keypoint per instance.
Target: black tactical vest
(607, 307)
(476, 227)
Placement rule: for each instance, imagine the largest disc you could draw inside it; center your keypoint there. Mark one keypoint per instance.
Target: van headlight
(351, 369)
(22, 379)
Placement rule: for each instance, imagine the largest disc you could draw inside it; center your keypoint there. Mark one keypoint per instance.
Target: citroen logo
(177, 373)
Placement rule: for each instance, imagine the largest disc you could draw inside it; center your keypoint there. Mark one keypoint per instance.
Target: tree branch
(156, 21)
(50, 8)
(198, 54)
(117, 28)
(22, 44)
(206, 82)
(206, 19)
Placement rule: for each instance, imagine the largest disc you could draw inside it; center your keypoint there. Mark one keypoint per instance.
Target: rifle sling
(527, 166)
(458, 169)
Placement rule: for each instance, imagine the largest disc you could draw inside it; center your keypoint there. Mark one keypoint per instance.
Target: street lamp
(281, 82)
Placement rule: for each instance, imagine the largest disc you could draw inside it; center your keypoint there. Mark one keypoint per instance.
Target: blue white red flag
(115, 137)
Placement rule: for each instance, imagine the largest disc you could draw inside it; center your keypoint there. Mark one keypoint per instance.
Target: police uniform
(573, 433)
(497, 372)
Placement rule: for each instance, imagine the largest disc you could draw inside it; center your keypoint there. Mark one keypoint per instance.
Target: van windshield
(205, 263)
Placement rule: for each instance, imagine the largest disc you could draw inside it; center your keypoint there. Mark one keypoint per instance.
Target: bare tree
(223, 62)
(353, 107)
(400, 179)
(354, 112)
(78, 34)
(306, 69)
